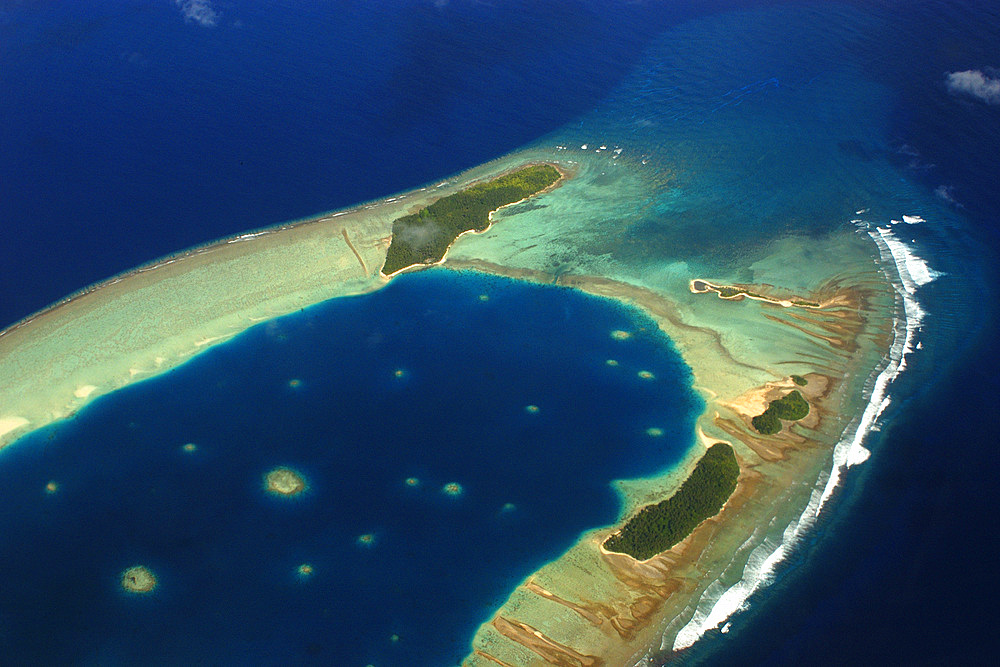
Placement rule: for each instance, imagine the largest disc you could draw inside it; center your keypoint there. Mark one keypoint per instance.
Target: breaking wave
(907, 272)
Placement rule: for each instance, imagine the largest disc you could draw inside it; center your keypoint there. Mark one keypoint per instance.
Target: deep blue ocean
(500, 387)
(130, 131)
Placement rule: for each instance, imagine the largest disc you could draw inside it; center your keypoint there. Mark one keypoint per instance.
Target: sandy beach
(12, 425)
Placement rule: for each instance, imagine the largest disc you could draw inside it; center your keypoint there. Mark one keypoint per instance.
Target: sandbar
(83, 391)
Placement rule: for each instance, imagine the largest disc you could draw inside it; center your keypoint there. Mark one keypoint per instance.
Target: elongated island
(424, 237)
(656, 528)
(650, 582)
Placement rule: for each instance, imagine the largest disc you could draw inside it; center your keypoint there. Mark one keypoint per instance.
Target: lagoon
(441, 439)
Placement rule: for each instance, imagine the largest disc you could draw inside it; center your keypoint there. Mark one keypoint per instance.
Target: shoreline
(564, 174)
(144, 321)
(230, 285)
(671, 585)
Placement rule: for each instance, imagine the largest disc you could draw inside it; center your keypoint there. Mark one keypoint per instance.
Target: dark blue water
(905, 571)
(225, 552)
(129, 133)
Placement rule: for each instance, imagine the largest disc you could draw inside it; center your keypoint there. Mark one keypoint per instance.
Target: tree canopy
(656, 528)
(791, 407)
(423, 237)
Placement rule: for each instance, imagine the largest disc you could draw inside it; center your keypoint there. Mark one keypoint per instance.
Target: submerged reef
(284, 482)
(138, 579)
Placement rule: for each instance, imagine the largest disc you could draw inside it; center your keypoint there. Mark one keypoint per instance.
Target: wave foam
(719, 603)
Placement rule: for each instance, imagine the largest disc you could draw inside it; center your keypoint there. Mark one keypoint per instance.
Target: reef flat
(588, 606)
(593, 607)
(149, 320)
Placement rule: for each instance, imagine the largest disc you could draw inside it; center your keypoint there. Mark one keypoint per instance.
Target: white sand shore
(11, 425)
(83, 391)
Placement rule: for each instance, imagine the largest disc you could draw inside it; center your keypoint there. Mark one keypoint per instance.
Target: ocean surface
(454, 433)
(136, 129)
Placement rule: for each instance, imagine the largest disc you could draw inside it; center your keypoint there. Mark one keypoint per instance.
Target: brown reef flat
(592, 607)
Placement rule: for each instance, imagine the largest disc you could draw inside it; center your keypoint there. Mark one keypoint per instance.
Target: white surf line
(913, 272)
(247, 237)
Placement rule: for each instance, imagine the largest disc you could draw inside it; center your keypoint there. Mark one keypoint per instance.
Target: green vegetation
(423, 237)
(791, 408)
(658, 527)
(767, 423)
(799, 380)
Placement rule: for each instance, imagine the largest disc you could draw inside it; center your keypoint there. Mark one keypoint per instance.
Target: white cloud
(947, 193)
(974, 82)
(419, 235)
(198, 11)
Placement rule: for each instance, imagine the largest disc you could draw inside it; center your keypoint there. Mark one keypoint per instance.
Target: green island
(791, 407)
(799, 380)
(656, 528)
(424, 237)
